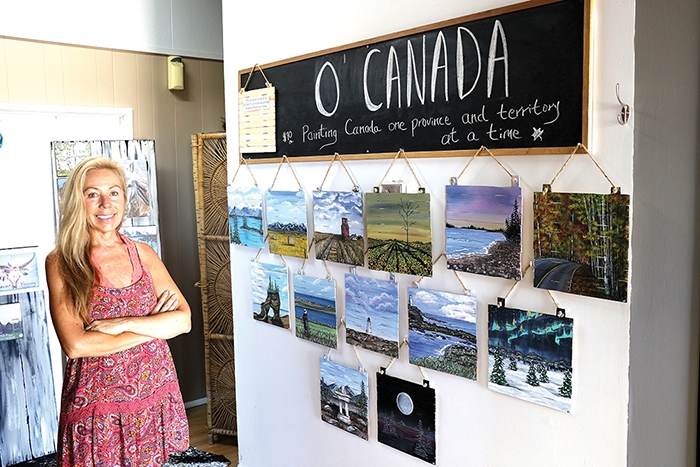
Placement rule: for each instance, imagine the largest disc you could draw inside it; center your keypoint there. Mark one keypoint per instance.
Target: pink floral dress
(124, 409)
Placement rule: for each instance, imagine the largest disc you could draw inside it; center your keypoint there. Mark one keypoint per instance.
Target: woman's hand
(166, 302)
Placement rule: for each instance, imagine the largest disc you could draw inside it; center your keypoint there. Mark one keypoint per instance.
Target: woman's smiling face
(105, 200)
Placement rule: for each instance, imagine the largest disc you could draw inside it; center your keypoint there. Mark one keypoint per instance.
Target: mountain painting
(581, 243)
(483, 230)
(339, 233)
(530, 356)
(245, 216)
(398, 233)
(344, 398)
(315, 310)
(270, 287)
(442, 331)
(406, 417)
(372, 314)
(286, 223)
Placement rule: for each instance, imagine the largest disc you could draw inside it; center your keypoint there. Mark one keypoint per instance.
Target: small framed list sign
(256, 120)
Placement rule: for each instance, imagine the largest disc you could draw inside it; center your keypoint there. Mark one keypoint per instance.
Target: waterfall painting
(245, 216)
(372, 314)
(344, 398)
(338, 227)
(530, 356)
(270, 287)
(581, 243)
(406, 417)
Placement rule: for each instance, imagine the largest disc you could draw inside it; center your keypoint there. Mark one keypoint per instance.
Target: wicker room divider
(213, 238)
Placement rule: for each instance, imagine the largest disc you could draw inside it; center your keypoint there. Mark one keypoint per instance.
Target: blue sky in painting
(482, 206)
(244, 197)
(342, 375)
(260, 274)
(443, 304)
(286, 207)
(331, 206)
(315, 286)
(377, 299)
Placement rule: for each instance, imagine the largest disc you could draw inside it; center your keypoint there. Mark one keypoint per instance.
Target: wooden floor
(199, 436)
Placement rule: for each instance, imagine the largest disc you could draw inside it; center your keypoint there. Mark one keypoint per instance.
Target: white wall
(172, 27)
(277, 374)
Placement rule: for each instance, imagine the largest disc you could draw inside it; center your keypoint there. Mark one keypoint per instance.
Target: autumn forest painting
(581, 243)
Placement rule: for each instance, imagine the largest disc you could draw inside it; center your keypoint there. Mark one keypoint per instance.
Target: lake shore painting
(286, 223)
(270, 287)
(483, 230)
(399, 238)
(344, 398)
(372, 314)
(338, 227)
(581, 243)
(442, 331)
(315, 310)
(245, 216)
(530, 356)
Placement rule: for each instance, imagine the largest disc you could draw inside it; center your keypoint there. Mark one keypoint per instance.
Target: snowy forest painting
(344, 398)
(245, 216)
(315, 310)
(372, 314)
(581, 243)
(442, 331)
(483, 229)
(270, 287)
(530, 356)
(339, 233)
(399, 238)
(286, 223)
(406, 417)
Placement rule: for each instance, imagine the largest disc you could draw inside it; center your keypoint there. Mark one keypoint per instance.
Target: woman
(113, 304)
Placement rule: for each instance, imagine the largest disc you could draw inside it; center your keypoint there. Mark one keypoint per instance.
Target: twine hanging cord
(401, 153)
(250, 75)
(242, 161)
(337, 156)
(483, 148)
(576, 149)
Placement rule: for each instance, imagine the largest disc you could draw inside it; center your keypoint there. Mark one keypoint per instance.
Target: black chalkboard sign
(514, 80)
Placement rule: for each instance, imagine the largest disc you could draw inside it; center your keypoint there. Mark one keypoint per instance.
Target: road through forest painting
(581, 243)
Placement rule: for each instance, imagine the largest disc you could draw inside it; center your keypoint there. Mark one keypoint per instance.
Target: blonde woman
(113, 304)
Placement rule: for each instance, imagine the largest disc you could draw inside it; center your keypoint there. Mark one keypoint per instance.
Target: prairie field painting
(483, 230)
(286, 223)
(372, 314)
(339, 233)
(530, 356)
(245, 216)
(581, 243)
(315, 310)
(442, 331)
(398, 233)
(406, 417)
(344, 398)
(270, 287)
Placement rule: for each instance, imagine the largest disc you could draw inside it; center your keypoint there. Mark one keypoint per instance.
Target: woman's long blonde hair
(73, 247)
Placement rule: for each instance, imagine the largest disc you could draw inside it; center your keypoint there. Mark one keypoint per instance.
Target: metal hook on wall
(624, 115)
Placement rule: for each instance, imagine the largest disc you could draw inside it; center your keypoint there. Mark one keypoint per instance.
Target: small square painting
(315, 310)
(270, 287)
(286, 223)
(344, 398)
(339, 233)
(245, 216)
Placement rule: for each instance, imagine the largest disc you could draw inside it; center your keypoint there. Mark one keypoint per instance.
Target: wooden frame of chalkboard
(514, 80)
